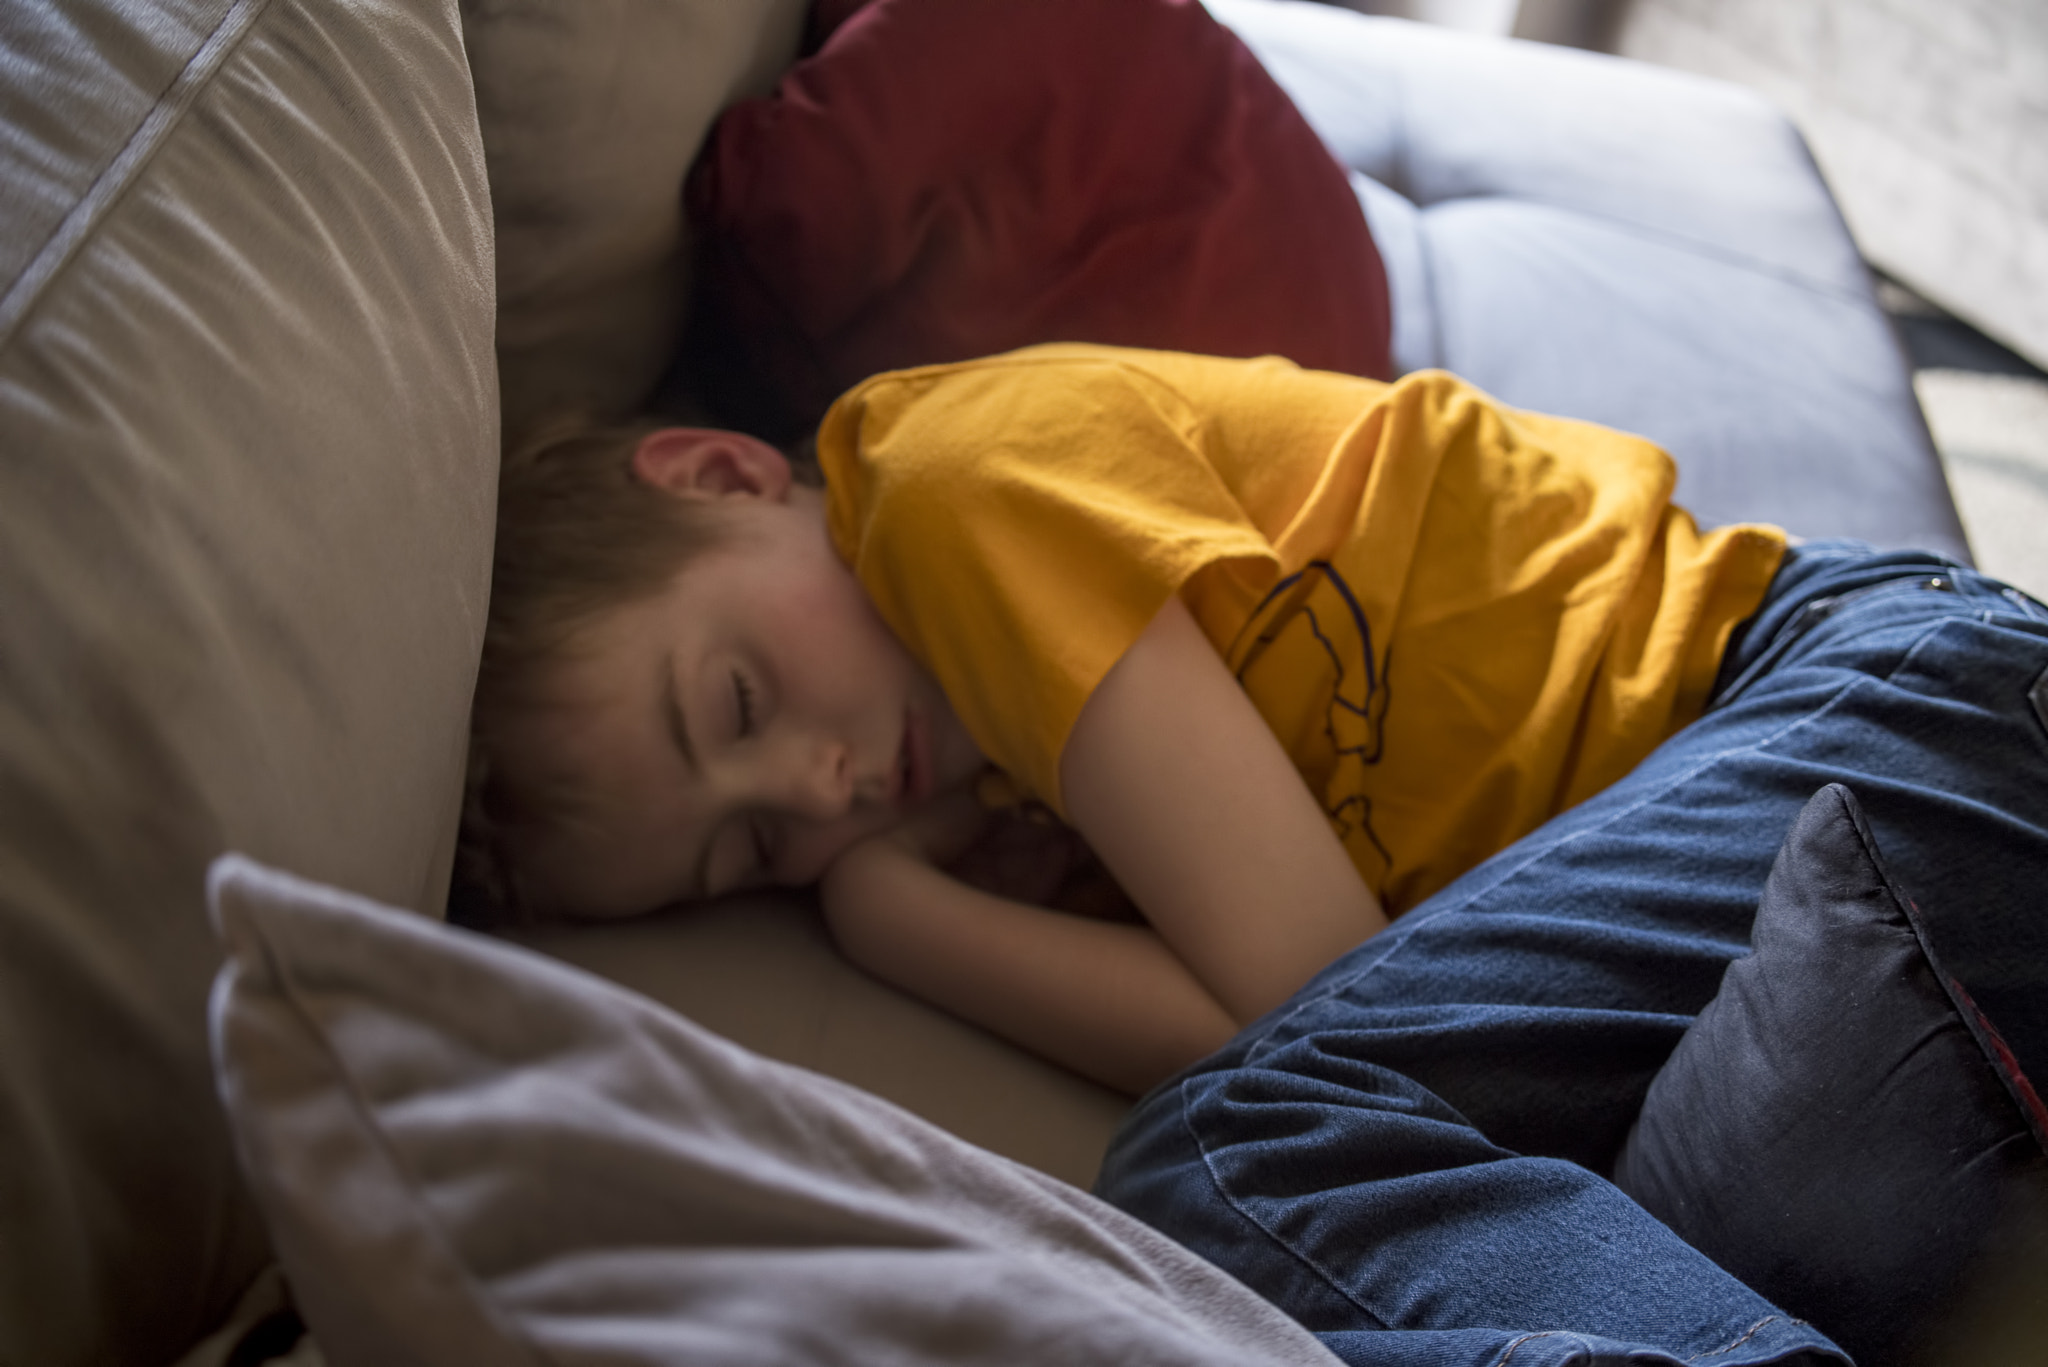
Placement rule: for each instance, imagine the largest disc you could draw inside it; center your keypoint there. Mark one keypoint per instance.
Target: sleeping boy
(1289, 651)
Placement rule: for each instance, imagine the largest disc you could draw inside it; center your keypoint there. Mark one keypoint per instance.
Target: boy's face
(740, 729)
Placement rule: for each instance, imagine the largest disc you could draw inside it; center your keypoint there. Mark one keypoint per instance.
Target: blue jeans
(1417, 1140)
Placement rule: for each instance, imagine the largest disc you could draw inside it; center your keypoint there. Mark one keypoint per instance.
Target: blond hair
(579, 533)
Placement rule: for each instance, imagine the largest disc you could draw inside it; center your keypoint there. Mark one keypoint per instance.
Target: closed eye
(743, 699)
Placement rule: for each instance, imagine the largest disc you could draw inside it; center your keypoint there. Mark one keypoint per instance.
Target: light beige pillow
(592, 111)
(761, 970)
(247, 468)
(468, 1153)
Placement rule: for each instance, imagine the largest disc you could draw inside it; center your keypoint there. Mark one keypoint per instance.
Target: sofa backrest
(248, 441)
(592, 112)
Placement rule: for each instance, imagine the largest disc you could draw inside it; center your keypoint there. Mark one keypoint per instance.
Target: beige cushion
(248, 417)
(469, 1154)
(761, 970)
(592, 111)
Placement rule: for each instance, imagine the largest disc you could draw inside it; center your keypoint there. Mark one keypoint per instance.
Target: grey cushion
(469, 1154)
(1608, 240)
(248, 414)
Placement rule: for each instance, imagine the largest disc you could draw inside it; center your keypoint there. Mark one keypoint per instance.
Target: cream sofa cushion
(592, 111)
(248, 428)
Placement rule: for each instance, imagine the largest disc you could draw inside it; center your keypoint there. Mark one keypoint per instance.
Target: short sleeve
(1018, 522)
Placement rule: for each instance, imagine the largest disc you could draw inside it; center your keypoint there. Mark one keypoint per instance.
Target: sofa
(279, 277)
(1576, 234)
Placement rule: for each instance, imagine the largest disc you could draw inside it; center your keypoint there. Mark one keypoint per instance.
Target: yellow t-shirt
(1458, 619)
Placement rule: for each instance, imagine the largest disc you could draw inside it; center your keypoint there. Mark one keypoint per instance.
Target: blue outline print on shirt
(1354, 812)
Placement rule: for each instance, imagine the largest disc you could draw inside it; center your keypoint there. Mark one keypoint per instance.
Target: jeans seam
(1858, 682)
(2030, 607)
(1515, 1346)
(1805, 719)
(1744, 1337)
(1817, 612)
(1313, 1265)
(1753, 1331)
(1510, 875)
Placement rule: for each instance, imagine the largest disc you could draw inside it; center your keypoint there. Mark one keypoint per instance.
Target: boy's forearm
(1110, 1001)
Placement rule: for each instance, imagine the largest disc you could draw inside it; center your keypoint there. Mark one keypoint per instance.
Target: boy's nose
(824, 787)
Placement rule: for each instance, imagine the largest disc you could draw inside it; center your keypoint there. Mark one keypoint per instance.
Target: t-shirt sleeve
(1018, 523)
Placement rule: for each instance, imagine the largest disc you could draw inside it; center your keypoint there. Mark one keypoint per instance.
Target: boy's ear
(707, 462)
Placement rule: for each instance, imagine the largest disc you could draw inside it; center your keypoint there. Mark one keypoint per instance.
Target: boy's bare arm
(1185, 793)
(1110, 1001)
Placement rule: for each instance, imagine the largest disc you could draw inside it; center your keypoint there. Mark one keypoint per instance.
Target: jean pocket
(1814, 614)
(2029, 606)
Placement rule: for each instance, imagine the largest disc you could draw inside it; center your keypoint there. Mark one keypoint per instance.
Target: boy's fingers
(944, 828)
(1019, 858)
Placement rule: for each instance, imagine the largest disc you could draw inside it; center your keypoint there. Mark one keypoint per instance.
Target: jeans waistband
(1819, 579)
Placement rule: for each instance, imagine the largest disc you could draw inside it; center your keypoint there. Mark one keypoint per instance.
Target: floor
(1988, 410)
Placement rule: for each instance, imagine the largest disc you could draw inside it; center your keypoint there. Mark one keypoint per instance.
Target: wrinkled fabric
(1416, 1141)
(468, 1153)
(1457, 619)
(1843, 1127)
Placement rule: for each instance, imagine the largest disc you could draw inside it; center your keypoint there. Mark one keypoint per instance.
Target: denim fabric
(1417, 1141)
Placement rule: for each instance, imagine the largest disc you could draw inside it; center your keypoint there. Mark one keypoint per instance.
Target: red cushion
(951, 178)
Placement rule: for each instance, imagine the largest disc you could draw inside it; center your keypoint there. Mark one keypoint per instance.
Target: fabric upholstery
(468, 1153)
(1842, 1127)
(248, 410)
(949, 179)
(760, 968)
(1602, 239)
(591, 112)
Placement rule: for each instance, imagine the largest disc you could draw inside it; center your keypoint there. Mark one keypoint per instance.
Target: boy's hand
(1109, 1000)
(1001, 852)
(861, 887)
(942, 830)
